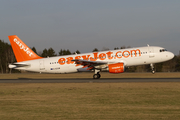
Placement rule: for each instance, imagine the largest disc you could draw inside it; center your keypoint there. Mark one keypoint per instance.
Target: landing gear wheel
(96, 76)
(99, 75)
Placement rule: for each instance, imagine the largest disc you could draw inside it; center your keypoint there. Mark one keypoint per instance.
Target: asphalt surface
(85, 80)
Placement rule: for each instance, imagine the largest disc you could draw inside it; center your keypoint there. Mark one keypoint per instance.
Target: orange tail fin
(21, 50)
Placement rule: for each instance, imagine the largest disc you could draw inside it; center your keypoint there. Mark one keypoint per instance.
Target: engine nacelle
(116, 68)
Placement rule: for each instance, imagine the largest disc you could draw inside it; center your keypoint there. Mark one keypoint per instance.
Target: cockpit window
(163, 50)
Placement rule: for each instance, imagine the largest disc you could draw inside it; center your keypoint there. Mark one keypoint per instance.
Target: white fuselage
(130, 57)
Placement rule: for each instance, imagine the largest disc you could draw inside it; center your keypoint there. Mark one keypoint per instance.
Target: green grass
(89, 101)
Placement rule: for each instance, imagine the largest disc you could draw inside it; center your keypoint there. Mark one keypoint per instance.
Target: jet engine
(116, 68)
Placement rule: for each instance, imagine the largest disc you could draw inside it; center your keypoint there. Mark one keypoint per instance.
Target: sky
(87, 24)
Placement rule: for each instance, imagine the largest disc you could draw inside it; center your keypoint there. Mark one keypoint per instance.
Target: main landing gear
(96, 75)
(152, 68)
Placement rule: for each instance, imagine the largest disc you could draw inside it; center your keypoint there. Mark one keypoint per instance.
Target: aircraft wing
(89, 64)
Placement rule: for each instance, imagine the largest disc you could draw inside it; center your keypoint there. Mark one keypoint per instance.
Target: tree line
(7, 57)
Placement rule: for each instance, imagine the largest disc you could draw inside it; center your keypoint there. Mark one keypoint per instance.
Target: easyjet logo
(102, 56)
(117, 67)
(22, 47)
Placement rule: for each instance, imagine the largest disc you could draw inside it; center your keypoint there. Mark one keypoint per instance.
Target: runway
(85, 80)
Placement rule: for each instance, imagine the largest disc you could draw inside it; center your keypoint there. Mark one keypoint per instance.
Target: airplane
(114, 61)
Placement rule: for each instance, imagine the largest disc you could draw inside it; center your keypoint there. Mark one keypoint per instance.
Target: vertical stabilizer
(21, 50)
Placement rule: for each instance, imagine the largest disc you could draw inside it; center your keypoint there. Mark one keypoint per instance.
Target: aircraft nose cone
(171, 55)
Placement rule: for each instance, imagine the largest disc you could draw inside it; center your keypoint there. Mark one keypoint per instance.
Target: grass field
(90, 75)
(90, 101)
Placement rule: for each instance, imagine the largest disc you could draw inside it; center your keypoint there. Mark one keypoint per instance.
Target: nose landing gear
(152, 68)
